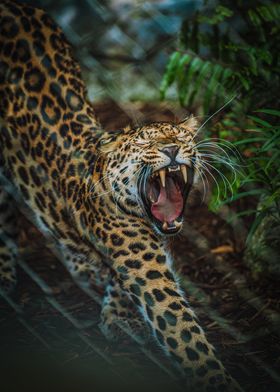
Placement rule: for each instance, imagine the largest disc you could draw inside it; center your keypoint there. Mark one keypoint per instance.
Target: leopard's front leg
(146, 274)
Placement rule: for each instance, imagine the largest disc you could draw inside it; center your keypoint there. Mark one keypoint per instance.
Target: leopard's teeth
(162, 177)
(165, 226)
(184, 173)
(177, 224)
(173, 169)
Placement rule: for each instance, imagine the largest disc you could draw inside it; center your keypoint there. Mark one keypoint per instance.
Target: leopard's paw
(117, 327)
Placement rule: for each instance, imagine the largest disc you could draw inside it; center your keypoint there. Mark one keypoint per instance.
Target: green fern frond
(194, 75)
(202, 76)
(249, 57)
(220, 14)
(170, 73)
(269, 13)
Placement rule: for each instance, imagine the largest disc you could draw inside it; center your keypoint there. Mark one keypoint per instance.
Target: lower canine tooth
(177, 224)
(165, 226)
(184, 172)
(162, 177)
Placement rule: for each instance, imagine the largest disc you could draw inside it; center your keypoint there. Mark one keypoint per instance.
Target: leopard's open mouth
(164, 195)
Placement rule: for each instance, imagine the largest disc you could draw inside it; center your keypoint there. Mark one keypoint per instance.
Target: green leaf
(253, 60)
(244, 81)
(221, 13)
(269, 111)
(182, 75)
(184, 60)
(255, 225)
(247, 212)
(270, 12)
(260, 121)
(271, 142)
(250, 140)
(275, 157)
(170, 73)
(185, 87)
(211, 88)
(202, 77)
(252, 192)
(254, 17)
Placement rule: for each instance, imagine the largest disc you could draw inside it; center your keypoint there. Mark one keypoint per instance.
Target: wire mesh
(233, 334)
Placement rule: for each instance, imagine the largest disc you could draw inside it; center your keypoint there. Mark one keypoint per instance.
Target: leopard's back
(42, 92)
(38, 71)
(46, 119)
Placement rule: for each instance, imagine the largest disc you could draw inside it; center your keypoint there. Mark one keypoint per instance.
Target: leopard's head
(151, 170)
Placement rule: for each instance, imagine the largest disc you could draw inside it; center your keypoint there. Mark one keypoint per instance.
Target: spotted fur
(81, 186)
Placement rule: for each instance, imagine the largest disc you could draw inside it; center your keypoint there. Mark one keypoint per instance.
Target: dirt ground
(56, 341)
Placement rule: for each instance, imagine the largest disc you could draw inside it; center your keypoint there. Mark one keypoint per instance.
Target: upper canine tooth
(184, 172)
(162, 177)
(165, 226)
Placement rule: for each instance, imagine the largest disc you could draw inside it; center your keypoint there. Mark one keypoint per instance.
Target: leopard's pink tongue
(169, 204)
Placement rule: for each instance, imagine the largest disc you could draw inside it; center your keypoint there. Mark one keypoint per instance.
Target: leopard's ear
(189, 124)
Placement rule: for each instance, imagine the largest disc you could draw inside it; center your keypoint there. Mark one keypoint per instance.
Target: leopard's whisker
(214, 114)
(208, 146)
(203, 178)
(205, 168)
(224, 178)
(229, 164)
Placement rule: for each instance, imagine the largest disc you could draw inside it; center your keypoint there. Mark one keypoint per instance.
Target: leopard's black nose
(170, 151)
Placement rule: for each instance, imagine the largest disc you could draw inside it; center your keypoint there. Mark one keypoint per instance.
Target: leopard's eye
(105, 141)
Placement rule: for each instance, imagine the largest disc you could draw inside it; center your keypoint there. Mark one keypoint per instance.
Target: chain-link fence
(49, 322)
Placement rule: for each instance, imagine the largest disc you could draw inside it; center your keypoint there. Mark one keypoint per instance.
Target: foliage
(261, 147)
(229, 49)
(224, 49)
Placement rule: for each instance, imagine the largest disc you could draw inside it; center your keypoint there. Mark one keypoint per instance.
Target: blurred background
(123, 46)
(163, 60)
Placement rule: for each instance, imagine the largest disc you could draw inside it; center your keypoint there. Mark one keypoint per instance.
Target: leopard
(108, 200)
